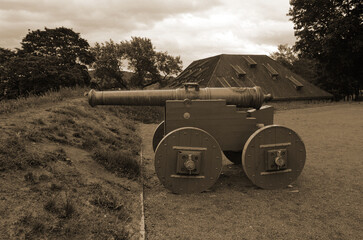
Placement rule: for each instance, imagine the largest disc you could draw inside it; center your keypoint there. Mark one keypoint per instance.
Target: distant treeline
(53, 58)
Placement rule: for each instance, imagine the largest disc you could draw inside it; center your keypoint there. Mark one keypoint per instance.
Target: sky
(190, 29)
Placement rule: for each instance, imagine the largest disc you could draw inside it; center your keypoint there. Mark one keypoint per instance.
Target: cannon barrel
(241, 97)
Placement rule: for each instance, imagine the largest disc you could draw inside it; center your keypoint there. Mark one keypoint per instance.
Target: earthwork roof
(248, 71)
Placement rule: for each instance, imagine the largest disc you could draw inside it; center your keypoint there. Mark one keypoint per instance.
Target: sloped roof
(249, 71)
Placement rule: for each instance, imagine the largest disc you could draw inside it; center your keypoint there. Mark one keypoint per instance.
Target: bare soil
(324, 203)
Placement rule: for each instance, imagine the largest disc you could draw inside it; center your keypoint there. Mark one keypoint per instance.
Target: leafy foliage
(331, 33)
(108, 66)
(49, 59)
(141, 56)
(288, 57)
(148, 65)
(27, 74)
(168, 65)
(5, 55)
(285, 55)
(60, 42)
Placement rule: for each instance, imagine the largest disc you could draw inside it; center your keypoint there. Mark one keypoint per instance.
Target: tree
(108, 66)
(330, 32)
(48, 59)
(148, 65)
(6, 55)
(60, 42)
(287, 56)
(168, 65)
(71, 51)
(306, 68)
(28, 74)
(140, 54)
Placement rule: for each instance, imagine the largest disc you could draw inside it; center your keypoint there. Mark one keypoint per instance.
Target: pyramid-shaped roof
(249, 71)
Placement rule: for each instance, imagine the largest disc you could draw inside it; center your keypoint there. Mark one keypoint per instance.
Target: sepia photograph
(190, 120)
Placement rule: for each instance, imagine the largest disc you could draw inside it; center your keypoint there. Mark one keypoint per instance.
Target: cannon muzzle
(241, 97)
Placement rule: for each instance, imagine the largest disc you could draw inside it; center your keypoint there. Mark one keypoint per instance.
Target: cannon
(202, 124)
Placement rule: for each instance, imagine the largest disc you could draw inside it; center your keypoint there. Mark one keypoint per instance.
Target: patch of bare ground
(68, 171)
(324, 203)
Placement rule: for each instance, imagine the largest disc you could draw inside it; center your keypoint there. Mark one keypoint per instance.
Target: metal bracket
(189, 148)
(188, 161)
(191, 84)
(276, 159)
(276, 172)
(187, 176)
(275, 145)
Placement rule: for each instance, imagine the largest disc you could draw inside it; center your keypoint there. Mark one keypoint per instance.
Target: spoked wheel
(188, 160)
(234, 157)
(158, 134)
(273, 157)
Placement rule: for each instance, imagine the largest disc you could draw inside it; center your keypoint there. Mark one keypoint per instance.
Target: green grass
(61, 208)
(109, 133)
(123, 163)
(24, 103)
(144, 114)
(287, 105)
(32, 226)
(14, 155)
(38, 146)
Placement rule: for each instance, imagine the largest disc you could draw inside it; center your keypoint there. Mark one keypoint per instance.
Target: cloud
(192, 29)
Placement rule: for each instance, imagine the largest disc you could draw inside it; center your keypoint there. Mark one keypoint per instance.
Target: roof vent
(250, 61)
(237, 83)
(298, 85)
(223, 82)
(199, 72)
(273, 73)
(188, 73)
(239, 71)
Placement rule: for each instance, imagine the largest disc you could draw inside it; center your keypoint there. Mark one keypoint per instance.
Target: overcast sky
(191, 29)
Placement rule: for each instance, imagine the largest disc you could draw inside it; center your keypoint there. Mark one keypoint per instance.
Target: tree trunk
(356, 93)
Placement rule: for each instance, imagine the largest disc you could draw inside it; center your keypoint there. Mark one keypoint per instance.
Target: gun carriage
(201, 124)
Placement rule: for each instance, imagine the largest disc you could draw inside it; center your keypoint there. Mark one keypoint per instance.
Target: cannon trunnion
(200, 124)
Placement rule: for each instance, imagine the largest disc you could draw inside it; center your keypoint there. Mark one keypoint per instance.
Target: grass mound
(15, 156)
(121, 162)
(24, 103)
(48, 145)
(145, 114)
(108, 133)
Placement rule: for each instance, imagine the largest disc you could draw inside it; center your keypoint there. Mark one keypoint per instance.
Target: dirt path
(324, 203)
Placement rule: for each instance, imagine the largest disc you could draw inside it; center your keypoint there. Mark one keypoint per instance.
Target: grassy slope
(53, 154)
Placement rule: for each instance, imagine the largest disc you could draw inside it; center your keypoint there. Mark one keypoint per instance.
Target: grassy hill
(69, 171)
